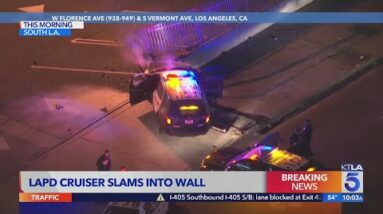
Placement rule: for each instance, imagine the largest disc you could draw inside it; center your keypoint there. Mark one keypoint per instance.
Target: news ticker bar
(190, 197)
(196, 17)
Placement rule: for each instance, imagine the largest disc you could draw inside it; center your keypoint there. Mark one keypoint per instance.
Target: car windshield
(189, 108)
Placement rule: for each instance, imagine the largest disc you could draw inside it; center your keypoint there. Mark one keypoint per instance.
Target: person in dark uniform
(294, 141)
(294, 138)
(104, 162)
(306, 134)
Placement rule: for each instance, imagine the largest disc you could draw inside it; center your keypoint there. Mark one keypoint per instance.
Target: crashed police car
(178, 94)
(258, 158)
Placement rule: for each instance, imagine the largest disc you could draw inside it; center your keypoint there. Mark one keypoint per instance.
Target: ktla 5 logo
(352, 182)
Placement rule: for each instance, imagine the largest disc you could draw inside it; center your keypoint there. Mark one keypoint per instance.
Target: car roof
(219, 157)
(181, 84)
(273, 156)
(160, 66)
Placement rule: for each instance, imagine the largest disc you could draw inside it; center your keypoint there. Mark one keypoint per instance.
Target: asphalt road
(29, 122)
(347, 129)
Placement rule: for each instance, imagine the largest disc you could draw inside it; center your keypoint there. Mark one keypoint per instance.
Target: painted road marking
(101, 42)
(3, 144)
(82, 70)
(133, 11)
(33, 9)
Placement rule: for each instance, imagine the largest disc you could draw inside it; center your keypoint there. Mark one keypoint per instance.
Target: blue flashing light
(267, 148)
(187, 74)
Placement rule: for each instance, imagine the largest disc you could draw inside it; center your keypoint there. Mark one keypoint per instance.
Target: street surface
(348, 129)
(356, 107)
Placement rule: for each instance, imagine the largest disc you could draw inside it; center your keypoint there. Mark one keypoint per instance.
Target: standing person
(307, 133)
(104, 162)
(295, 145)
(294, 138)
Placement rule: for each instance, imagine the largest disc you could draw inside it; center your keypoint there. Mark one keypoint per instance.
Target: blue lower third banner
(196, 17)
(45, 32)
(190, 197)
(200, 197)
(182, 197)
(127, 203)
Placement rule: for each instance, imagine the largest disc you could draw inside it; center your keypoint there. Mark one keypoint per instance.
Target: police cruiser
(258, 158)
(177, 94)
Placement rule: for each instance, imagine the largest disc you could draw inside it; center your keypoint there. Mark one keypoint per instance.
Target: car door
(158, 95)
(141, 87)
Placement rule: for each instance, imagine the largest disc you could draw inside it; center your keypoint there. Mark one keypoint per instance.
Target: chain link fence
(175, 40)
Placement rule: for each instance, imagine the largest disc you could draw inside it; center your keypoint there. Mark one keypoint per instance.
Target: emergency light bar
(178, 74)
(181, 84)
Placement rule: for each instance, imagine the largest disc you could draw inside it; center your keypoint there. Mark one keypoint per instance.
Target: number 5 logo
(352, 182)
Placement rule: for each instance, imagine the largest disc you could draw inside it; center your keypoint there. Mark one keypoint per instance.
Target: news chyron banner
(61, 24)
(249, 186)
(49, 28)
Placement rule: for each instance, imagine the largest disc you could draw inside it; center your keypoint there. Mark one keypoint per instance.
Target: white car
(178, 96)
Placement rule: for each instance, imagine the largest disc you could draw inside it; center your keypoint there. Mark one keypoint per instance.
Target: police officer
(306, 134)
(104, 162)
(294, 141)
(294, 138)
